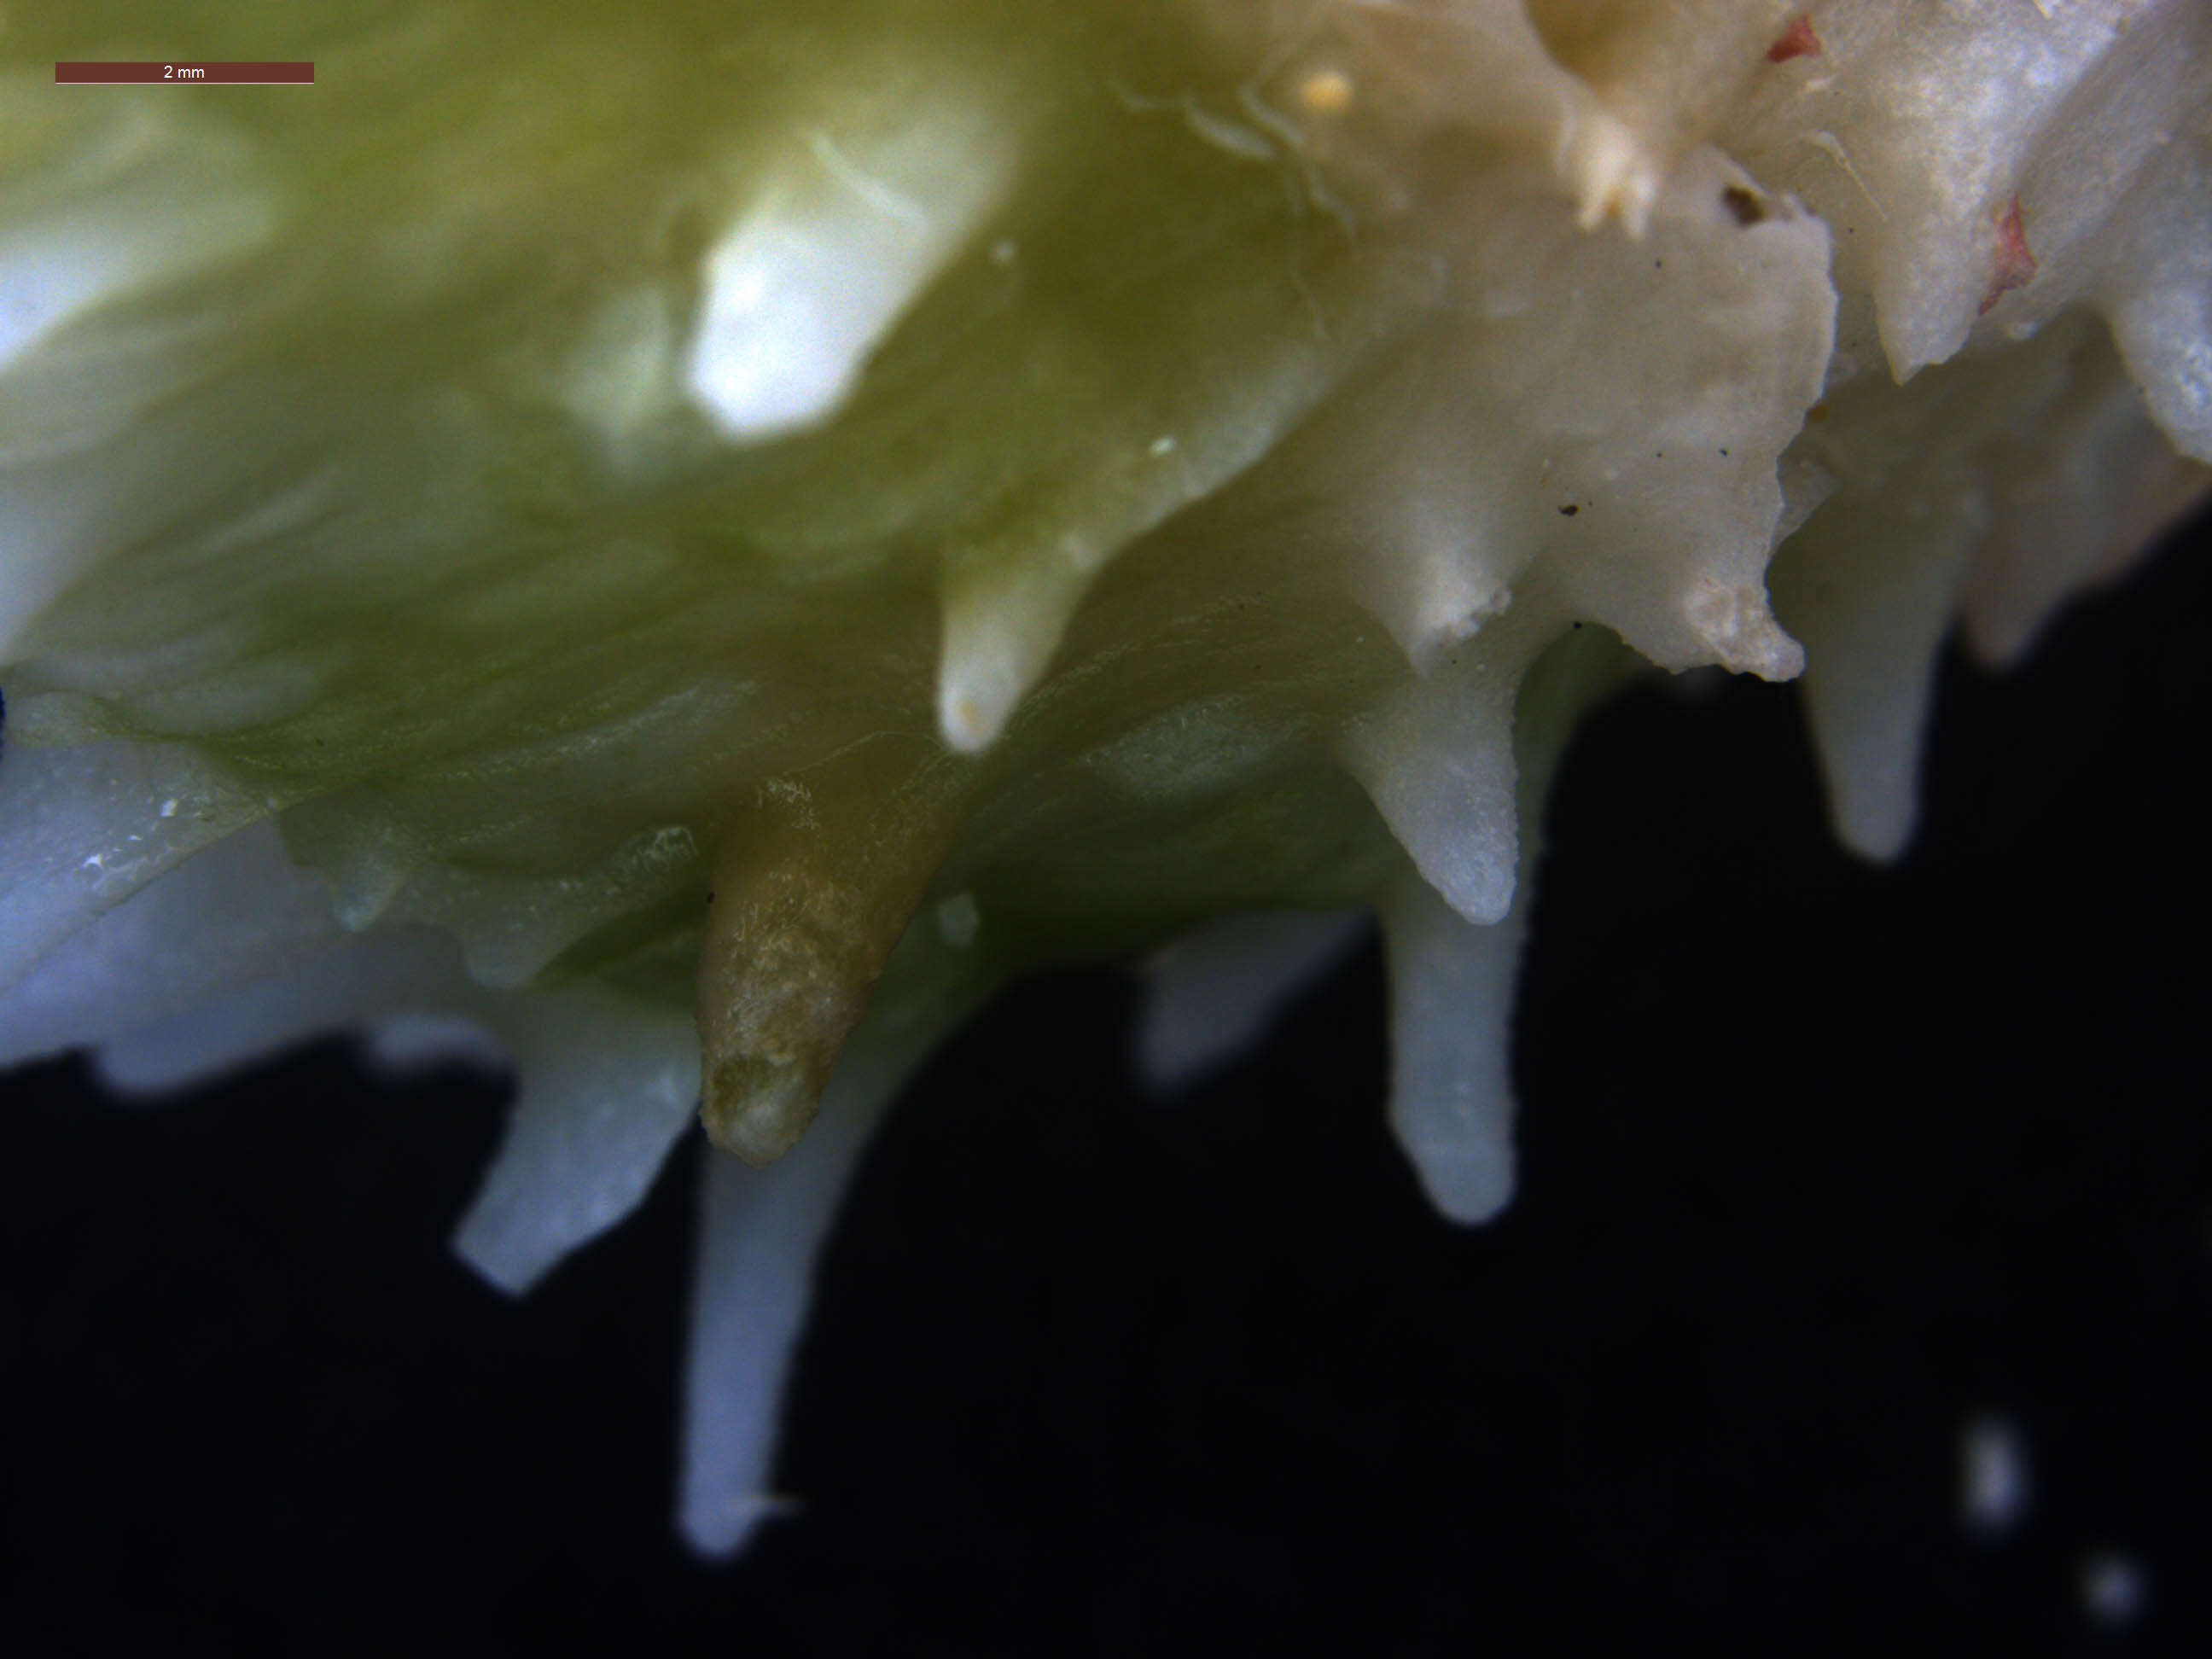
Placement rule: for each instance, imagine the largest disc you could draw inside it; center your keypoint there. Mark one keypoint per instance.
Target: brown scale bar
(184, 74)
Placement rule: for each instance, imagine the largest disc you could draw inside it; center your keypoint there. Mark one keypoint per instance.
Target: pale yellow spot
(1325, 92)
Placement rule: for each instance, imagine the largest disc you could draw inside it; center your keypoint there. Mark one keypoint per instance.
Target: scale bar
(196, 75)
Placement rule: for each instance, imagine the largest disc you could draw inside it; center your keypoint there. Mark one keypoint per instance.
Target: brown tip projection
(811, 892)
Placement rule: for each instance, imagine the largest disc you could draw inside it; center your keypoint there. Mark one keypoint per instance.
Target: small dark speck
(1569, 511)
(1744, 204)
(1578, 624)
(1723, 452)
(1658, 265)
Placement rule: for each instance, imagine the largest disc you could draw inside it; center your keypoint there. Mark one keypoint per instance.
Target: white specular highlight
(814, 274)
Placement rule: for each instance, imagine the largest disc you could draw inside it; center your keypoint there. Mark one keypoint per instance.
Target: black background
(1818, 1160)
